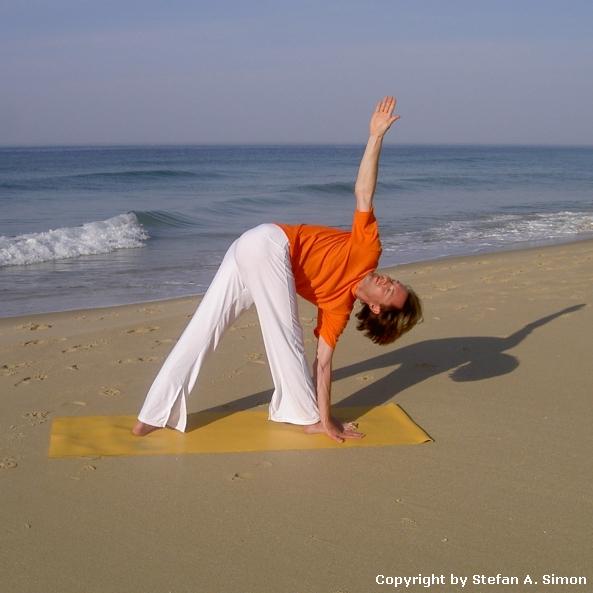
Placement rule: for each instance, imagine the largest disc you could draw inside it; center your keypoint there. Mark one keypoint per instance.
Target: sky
(195, 72)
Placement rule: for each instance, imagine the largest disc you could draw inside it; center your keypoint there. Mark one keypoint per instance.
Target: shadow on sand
(470, 358)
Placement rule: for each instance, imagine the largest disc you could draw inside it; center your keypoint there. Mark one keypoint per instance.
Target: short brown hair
(389, 324)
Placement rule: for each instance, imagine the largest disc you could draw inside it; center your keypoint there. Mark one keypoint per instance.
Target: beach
(497, 374)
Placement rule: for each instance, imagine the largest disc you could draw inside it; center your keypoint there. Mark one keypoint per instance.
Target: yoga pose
(268, 266)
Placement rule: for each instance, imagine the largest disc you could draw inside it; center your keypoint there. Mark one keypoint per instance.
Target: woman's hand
(335, 430)
(383, 117)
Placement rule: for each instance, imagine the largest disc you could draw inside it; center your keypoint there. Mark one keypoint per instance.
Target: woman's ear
(376, 309)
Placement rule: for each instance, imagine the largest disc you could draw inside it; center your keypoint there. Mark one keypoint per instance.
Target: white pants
(256, 269)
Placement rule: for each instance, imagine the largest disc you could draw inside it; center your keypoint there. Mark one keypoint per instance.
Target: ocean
(92, 226)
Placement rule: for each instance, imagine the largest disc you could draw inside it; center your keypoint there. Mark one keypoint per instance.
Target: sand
(498, 374)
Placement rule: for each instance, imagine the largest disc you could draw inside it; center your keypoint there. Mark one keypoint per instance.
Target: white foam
(503, 228)
(496, 231)
(120, 232)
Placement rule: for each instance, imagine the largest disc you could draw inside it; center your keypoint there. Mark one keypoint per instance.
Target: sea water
(97, 226)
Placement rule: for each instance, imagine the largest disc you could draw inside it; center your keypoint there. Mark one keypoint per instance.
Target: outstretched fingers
(352, 434)
(350, 430)
(338, 432)
(390, 105)
(386, 105)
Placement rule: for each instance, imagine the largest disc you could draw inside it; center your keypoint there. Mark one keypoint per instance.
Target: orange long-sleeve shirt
(329, 263)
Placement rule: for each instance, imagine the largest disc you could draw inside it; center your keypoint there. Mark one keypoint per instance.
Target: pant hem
(158, 423)
(297, 422)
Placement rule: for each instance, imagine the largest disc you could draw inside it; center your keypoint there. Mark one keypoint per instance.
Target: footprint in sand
(27, 380)
(234, 328)
(80, 347)
(34, 342)
(408, 522)
(73, 367)
(125, 360)
(8, 463)
(163, 341)
(107, 316)
(256, 357)
(110, 391)
(143, 330)
(87, 468)
(139, 359)
(36, 417)
(34, 326)
(7, 370)
(238, 477)
(445, 288)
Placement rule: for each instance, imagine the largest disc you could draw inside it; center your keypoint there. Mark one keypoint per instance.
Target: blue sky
(107, 72)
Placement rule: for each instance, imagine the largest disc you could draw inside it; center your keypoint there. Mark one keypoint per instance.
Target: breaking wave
(119, 232)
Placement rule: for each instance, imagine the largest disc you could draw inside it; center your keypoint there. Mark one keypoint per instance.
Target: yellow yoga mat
(230, 432)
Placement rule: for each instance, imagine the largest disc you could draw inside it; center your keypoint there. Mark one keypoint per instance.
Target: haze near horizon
(295, 72)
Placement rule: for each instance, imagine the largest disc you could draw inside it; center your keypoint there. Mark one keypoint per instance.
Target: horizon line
(262, 144)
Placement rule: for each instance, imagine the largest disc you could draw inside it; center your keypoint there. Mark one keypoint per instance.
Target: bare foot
(318, 428)
(141, 429)
(313, 428)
